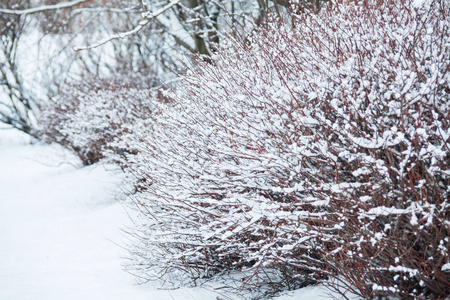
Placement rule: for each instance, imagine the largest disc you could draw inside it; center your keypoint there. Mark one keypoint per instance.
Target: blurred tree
(16, 104)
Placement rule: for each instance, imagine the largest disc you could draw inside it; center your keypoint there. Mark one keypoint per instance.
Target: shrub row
(312, 152)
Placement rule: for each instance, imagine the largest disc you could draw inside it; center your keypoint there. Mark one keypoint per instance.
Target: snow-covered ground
(60, 234)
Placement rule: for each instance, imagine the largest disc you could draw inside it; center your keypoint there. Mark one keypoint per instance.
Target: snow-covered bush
(306, 153)
(91, 118)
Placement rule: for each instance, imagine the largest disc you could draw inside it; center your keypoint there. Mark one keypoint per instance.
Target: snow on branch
(147, 17)
(41, 8)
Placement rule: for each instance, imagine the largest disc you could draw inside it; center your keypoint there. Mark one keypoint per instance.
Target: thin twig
(42, 8)
(147, 18)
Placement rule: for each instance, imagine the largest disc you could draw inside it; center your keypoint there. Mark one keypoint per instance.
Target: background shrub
(92, 117)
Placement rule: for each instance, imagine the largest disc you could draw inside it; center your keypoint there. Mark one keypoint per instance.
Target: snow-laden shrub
(91, 118)
(308, 152)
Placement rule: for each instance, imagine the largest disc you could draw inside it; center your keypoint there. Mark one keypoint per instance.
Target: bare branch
(147, 17)
(41, 8)
(132, 10)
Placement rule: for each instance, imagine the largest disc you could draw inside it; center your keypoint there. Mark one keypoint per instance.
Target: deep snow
(60, 230)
